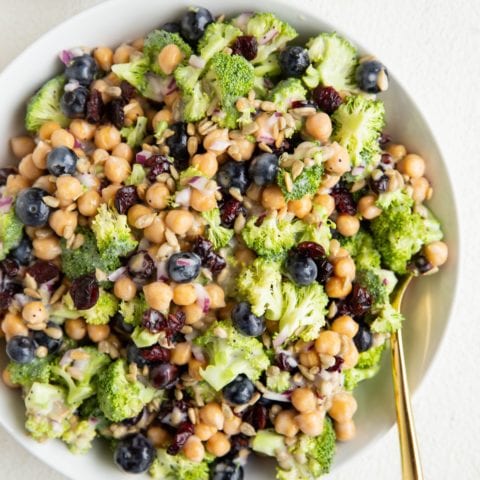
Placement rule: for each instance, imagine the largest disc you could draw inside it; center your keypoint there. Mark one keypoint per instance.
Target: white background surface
(434, 50)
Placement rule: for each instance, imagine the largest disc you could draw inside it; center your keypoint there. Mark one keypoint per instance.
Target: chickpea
(75, 328)
(272, 198)
(47, 129)
(304, 400)
(82, 129)
(104, 57)
(194, 449)
(396, 151)
(216, 295)
(181, 354)
(179, 221)
(125, 288)
(420, 188)
(63, 222)
(124, 151)
(217, 141)
(27, 168)
(329, 181)
(7, 379)
(367, 208)
(22, 146)
(88, 203)
(349, 353)
(158, 295)
(345, 325)
(158, 436)
(68, 189)
(108, 193)
(243, 149)
(40, 155)
(436, 253)
(244, 256)
(35, 313)
(164, 115)
(338, 287)
(184, 294)
(212, 414)
(47, 248)
(44, 182)
(345, 268)
(326, 201)
(219, 445)
(202, 201)
(412, 165)
(169, 58)
(62, 138)
(193, 313)
(328, 343)
(343, 407)
(206, 163)
(16, 183)
(13, 326)
(132, 111)
(204, 432)
(107, 137)
(311, 423)
(122, 53)
(309, 359)
(155, 232)
(319, 126)
(232, 425)
(301, 207)
(98, 333)
(339, 163)
(117, 169)
(138, 214)
(197, 228)
(347, 225)
(345, 431)
(171, 99)
(157, 196)
(254, 192)
(194, 367)
(285, 423)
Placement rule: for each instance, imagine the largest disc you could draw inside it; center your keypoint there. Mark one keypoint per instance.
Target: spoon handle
(411, 464)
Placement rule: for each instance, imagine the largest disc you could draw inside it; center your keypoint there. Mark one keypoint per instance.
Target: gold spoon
(410, 455)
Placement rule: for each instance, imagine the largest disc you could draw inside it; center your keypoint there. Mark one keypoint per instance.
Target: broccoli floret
(137, 176)
(77, 370)
(279, 382)
(286, 92)
(268, 442)
(433, 227)
(216, 37)
(155, 43)
(47, 413)
(195, 104)
(319, 452)
(230, 355)
(160, 130)
(176, 467)
(367, 367)
(218, 235)
(357, 124)
(143, 338)
(303, 314)
(44, 106)
(260, 284)
(305, 184)
(371, 357)
(272, 237)
(134, 72)
(132, 311)
(320, 232)
(25, 374)
(136, 133)
(120, 397)
(202, 390)
(362, 249)
(373, 281)
(387, 320)
(271, 33)
(11, 230)
(114, 237)
(80, 435)
(187, 77)
(334, 60)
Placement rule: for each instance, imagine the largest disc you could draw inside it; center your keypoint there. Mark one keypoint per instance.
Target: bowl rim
(302, 7)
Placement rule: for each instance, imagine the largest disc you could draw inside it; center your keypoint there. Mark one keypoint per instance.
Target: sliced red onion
(72, 85)
(203, 299)
(66, 56)
(279, 339)
(182, 197)
(220, 145)
(197, 352)
(162, 273)
(142, 157)
(115, 275)
(358, 170)
(196, 61)
(159, 87)
(77, 144)
(276, 397)
(5, 204)
(242, 20)
(269, 36)
(268, 139)
(199, 183)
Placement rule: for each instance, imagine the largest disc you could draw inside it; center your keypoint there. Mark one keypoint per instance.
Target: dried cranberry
(153, 321)
(344, 202)
(141, 265)
(164, 375)
(6, 294)
(125, 198)
(84, 292)
(10, 267)
(167, 407)
(202, 247)
(359, 301)
(286, 362)
(128, 91)
(419, 264)
(327, 98)
(230, 208)
(211, 260)
(214, 262)
(384, 139)
(157, 165)
(175, 322)
(337, 366)
(115, 112)
(43, 271)
(95, 107)
(256, 416)
(239, 442)
(184, 432)
(4, 173)
(386, 159)
(310, 249)
(246, 46)
(325, 270)
(155, 354)
(379, 185)
(303, 104)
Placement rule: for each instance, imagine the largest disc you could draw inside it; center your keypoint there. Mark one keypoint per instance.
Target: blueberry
(134, 355)
(226, 469)
(171, 27)
(246, 322)
(363, 339)
(263, 169)
(134, 454)
(301, 269)
(43, 340)
(82, 69)
(177, 144)
(240, 391)
(62, 161)
(194, 22)
(183, 267)
(368, 77)
(74, 103)
(233, 174)
(121, 326)
(23, 252)
(30, 208)
(21, 349)
(294, 61)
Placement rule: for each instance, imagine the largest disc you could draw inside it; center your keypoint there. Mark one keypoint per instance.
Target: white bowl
(429, 301)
